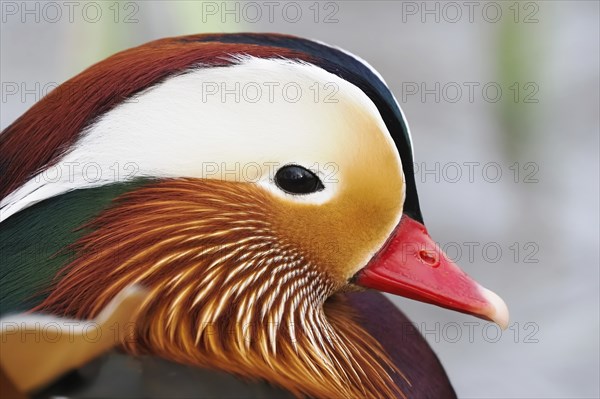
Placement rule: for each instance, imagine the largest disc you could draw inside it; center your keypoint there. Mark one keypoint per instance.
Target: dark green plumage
(33, 242)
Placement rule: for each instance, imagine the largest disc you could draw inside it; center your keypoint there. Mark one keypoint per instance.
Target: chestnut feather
(226, 291)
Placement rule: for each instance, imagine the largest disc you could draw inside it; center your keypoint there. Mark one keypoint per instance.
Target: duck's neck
(223, 294)
(282, 331)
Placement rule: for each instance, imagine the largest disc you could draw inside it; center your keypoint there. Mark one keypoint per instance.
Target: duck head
(263, 175)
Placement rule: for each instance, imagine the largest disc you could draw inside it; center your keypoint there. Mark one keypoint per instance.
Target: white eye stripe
(205, 141)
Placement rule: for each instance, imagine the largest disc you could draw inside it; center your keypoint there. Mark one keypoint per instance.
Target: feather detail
(225, 290)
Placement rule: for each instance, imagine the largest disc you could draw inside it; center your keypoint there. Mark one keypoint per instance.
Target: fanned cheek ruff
(226, 291)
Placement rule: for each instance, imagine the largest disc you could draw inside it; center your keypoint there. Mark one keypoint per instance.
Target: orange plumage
(225, 291)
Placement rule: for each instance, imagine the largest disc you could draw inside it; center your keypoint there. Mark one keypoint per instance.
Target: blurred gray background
(508, 182)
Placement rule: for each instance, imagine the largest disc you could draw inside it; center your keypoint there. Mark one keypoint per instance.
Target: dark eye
(295, 179)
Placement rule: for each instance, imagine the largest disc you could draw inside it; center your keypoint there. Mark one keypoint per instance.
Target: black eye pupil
(295, 179)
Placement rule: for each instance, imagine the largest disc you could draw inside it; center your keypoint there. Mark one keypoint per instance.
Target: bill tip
(499, 313)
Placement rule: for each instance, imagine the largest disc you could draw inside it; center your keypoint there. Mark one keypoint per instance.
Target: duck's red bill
(412, 265)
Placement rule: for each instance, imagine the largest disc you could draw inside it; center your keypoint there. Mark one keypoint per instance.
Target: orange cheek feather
(234, 283)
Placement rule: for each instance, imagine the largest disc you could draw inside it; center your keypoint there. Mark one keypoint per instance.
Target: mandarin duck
(255, 185)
